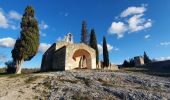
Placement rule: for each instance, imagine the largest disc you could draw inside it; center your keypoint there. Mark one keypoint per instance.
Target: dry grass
(32, 79)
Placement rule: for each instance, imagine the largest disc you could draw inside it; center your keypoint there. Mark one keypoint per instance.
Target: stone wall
(139, 61)
(71, 49)
(61, 44)
(162, 64)
(59, 59)
(46, 64)
(60, 56)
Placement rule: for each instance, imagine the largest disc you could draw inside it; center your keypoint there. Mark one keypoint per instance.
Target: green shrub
(10, 67)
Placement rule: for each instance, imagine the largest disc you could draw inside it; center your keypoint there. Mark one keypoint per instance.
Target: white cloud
(133, 10)
(166, 43)
(147, 36)
(116, 49)
(15, 15)
(3, 20)
(162, 58)
(117, 28)
(43, 47)
(7, 42)
(10, 42)
(109, 47)
(7, 21)
(100, 48)
(136, 22)
(43, 25)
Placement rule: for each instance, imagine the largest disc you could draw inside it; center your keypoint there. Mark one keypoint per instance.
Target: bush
(10, 67)
(126, 63)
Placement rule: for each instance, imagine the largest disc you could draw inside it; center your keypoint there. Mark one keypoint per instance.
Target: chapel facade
(67, 55)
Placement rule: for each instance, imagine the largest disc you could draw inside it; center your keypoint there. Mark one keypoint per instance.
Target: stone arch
(82, 58)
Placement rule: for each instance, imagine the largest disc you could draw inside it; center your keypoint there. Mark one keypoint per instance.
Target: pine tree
(105, 53)
(93, 44)
(27, 44)
(146, 58)
(84, 35)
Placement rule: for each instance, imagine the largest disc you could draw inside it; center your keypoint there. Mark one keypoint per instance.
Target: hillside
(84, 85)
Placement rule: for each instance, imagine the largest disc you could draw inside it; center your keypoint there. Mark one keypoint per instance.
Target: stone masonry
(66, 55)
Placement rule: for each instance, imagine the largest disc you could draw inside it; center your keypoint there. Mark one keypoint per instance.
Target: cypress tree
(105, 53)
(27, 44)
(146, 58)
(84, 35)
(93, 44)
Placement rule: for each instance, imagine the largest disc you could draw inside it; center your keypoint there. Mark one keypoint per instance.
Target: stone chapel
(67, 55)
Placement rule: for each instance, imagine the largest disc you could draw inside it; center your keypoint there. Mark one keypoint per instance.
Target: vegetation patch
(105, 83)
(67, 80)
(81, 96)
(15, 75)
(85, 80)
(32, 79)
(47, 84)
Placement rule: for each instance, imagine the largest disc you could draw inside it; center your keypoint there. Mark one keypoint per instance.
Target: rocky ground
(84, 85)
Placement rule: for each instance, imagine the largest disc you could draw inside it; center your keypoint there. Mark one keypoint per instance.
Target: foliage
(146, 58)
(84, 34)
(126, 63)
(10, 67)
(105, 53)
(27, 45)
(130, 63)
(93, 44)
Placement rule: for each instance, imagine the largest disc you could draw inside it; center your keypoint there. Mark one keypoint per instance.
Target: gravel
(85, 85)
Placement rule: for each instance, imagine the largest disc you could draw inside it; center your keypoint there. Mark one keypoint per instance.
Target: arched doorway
(82, 58)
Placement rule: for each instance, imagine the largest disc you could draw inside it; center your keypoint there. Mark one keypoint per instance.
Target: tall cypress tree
(84, 35)
(93, 44)
(27, 44)
(105, 53)
(146, 58)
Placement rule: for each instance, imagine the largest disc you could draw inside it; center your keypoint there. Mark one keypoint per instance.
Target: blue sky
(130, 26)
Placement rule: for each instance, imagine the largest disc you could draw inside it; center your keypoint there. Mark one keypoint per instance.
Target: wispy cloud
(109, 47)
(133, 10)
(43, 25)
(65, 14)
(118, 28)
(137, 23)
(147, 36)
(132, 21)
(3, 20)
(7, 42)
(43, 47)
(14, 15)
(8, 21)
(10, 42)
(166, 43)
(162, 58)
(43, 34)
